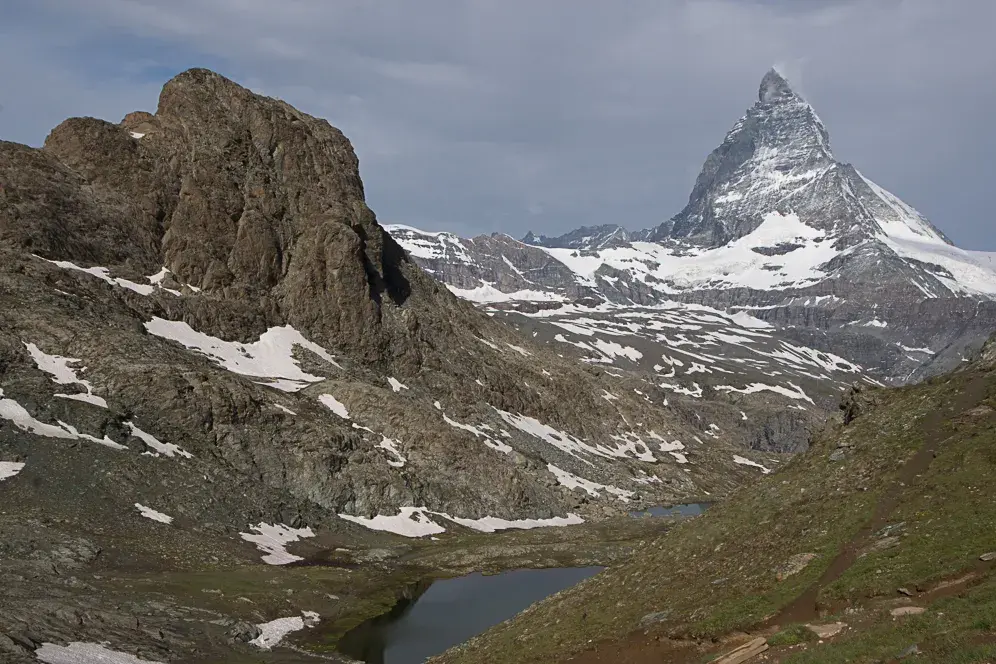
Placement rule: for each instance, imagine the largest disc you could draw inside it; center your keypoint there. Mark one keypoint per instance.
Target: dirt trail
(805, 608)
(640, 648)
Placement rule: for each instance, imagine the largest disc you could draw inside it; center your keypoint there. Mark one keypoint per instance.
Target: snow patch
(168, 449)
(9, 468)
(150, 513)
(747, 462)
(273, 632)
(487, 294)
(79, 652)
(490, 524)
(478, 433)
(271, 357)
(334, 405)
(409, 522)
(392, 447)
(105, 441)
(519, 349)
(63, 374)
(395, 384)
(272, 539)
(795, 392)
(594, 489)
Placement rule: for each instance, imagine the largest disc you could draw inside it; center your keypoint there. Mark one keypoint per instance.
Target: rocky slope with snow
(775, 226)
(211, 351)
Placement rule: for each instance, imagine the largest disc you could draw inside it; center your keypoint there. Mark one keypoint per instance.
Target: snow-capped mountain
(775, 225)
(586, 237)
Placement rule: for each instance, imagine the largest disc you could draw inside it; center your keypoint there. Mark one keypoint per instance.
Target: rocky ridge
(207, 285)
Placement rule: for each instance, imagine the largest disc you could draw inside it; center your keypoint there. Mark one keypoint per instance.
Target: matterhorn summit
(775, 225)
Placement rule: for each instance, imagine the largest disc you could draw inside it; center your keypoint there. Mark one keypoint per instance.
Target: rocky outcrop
(225, 289)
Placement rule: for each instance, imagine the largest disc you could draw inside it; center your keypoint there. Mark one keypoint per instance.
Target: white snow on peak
(730, 266)
(272, 539)
(910, 235)
(429, 245)
(167, 449)
(334, 405)
(9, 468)
(897, 220)
(79, 652)
(136, 134)
(150, 513)
(285, 409)
(271, 357)
(63, 374)
(409, 522)
(396, 384)
(273, 632)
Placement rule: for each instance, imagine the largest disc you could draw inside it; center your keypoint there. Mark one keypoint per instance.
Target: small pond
(689, 509)
(450, 611)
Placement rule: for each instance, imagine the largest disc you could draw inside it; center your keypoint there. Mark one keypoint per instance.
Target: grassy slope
(718, 574)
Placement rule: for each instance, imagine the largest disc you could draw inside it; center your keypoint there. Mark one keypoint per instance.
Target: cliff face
(211, 275)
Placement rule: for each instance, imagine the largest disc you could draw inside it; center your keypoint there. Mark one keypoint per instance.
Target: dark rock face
(239, 195)
(231, 219)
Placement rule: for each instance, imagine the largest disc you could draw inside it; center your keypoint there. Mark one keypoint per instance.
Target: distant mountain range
(775, 226)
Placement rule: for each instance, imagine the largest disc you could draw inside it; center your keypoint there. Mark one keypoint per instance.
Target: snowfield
(271, 357)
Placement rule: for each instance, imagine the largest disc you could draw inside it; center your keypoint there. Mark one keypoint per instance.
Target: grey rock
(243, 632)
(911, 651)
(654, 618)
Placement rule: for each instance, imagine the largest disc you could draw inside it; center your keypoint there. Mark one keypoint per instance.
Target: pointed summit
(773, 87)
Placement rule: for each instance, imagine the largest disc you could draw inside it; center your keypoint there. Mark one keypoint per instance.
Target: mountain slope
(273, 287)
(211, 351)
(894, 499)
(775, 226)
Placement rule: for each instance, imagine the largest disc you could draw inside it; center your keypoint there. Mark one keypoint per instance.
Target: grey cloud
(488, 115)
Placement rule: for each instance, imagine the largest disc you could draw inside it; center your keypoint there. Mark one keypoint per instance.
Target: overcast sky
(509, 115)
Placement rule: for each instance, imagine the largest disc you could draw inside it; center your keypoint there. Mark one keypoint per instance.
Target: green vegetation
(906, 520)
(792, 636)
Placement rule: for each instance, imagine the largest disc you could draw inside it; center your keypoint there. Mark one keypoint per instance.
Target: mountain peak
(774, 86)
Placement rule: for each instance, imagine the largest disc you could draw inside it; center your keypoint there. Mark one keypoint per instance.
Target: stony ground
(177, 598)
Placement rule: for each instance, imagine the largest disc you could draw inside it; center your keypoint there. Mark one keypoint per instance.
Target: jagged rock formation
(225, 288)
(775, 226)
